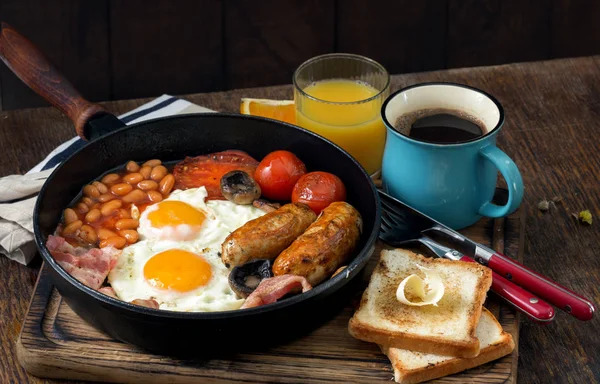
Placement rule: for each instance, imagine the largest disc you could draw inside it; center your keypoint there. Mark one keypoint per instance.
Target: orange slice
(282, 110)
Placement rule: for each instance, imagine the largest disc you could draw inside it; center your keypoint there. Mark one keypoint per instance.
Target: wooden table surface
(552, 122)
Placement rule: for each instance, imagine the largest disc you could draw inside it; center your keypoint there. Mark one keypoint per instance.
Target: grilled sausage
(266, 236)
(266, 206)
(324, 246)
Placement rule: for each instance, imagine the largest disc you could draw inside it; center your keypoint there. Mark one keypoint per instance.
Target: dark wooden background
(114, 49)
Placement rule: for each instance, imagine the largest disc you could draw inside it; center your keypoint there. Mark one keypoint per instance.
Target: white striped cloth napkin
(18, 192)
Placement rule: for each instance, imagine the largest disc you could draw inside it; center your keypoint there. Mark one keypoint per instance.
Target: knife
(557, 295)
(396, 233)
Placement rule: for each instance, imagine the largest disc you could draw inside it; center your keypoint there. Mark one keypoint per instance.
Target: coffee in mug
(440, 125)
(440, 153)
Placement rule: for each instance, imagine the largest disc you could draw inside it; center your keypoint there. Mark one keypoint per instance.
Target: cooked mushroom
(239, 187)
(244, 278)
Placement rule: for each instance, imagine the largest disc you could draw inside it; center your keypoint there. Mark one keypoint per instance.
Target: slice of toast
(415, 367)
(446, 329)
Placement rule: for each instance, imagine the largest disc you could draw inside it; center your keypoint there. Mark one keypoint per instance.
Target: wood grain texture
(408, 36)
(552, 119)
(13, 305)
(575, 28)
(56, 343)
(121, 49)
(73, 34)
(265, 41)
(0, 93)
(484, 32)
(162, 47)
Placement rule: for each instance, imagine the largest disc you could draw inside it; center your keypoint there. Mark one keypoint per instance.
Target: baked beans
(124, 214)
(147, 185)
(104, 233)
(91, 191)
(130, 235)
(111, 178)
(116, 241)
(87, 201)
(109, 210)
(100, 186)
(88, 234)
(166, 184)
(133, 178)
(82, 208)
(70, 216)
(154, 196)
(146, 171)
(93, 215)
(158, 173)
(106, 197)
(132, 166)
(121, 189)
(152, 163)
(136, 196)
(72, 228)
(126, 224)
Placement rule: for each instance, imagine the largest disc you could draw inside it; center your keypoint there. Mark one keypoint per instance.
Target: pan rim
(326, 287)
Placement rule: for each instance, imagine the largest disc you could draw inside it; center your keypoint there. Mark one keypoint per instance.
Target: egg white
(222, 218)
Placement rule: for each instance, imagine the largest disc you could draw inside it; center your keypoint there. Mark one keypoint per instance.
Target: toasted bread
(446, 329)
(415, 367)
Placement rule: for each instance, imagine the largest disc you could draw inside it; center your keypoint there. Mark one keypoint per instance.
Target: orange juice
(347, 113)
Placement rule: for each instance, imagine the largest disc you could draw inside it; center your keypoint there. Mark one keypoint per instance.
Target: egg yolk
(173, 213)
(178, 270)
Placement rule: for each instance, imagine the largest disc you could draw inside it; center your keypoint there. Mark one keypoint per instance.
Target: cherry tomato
(318, 190)
(277, 174)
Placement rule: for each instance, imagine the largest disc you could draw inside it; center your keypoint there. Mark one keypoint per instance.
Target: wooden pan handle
(34, 69)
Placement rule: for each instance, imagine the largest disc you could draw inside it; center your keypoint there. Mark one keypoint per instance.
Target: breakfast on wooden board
(194, 239)
(192, 251)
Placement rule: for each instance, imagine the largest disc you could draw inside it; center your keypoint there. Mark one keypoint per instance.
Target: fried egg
(185, 216)
(177, 259)
(179, 217)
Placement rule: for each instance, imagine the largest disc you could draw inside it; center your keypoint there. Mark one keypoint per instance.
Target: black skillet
(112, 144)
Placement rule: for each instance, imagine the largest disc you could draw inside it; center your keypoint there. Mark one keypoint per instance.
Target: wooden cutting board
(56, 343)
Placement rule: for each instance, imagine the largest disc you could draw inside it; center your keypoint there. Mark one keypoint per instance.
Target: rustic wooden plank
(73, 34)
(163, 47)
(403, 35)
(484, 32)
(561, 124)
(13, 307)
(575, 28)
(266, 40)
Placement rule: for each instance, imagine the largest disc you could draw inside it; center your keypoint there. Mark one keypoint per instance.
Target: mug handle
(511, 174)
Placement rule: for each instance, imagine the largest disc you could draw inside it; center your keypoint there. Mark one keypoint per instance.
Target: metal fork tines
(395, 231)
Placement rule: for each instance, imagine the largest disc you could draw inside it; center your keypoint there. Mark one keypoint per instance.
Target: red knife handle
(537, 309)
(563, 298)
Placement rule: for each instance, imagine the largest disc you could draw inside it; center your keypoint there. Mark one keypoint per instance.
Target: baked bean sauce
(104, 216)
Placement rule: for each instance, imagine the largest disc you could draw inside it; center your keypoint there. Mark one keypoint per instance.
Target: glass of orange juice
(339, 97)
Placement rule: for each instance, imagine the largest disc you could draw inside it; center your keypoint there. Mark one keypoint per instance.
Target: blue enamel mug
(452, 182)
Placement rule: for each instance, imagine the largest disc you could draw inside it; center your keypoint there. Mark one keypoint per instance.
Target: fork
(397, 234)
